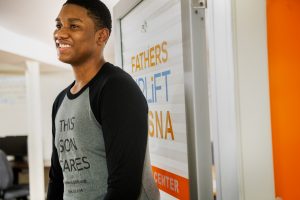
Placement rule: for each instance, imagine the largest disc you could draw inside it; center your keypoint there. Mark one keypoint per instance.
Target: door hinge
(199, 4)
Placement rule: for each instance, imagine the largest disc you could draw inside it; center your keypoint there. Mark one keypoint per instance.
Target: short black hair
(97, 10)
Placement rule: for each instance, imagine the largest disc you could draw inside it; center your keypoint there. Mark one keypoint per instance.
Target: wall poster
(152, 53)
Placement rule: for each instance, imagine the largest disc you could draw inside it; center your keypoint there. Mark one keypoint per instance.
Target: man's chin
(64, 60)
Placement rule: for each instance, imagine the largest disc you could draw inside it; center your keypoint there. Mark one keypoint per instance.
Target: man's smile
(62, 44)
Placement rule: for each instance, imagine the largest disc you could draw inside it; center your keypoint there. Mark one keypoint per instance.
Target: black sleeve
(55, 187)
(124, 120)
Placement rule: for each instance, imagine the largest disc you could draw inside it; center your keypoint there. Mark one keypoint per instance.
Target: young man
(100, 120)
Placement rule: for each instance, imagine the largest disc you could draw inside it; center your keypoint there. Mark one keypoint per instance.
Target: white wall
(240, 107)
(253, 99)
(13, 115)
(28, 48)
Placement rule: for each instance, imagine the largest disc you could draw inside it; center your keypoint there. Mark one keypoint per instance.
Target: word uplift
(156, 85)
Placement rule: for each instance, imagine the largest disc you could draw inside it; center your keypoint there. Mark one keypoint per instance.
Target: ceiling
(34, 19)
(15, 64)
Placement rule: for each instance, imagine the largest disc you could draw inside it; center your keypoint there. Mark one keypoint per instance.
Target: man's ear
(102, 36)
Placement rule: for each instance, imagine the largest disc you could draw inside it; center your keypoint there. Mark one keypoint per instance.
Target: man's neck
(84, 73)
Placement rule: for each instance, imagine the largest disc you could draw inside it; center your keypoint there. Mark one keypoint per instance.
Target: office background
(263, 40)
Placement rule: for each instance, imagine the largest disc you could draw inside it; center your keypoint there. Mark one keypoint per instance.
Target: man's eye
(73, 26)
(58, 26)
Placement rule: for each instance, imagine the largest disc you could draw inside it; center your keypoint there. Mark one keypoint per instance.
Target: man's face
(75, 35)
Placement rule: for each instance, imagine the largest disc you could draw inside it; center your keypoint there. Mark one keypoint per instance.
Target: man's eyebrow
(70, 20)
(74, 20)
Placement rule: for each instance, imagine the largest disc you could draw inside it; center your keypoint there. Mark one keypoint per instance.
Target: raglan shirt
(100, 141)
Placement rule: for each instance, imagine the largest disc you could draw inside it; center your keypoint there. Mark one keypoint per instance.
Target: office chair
(9, 191)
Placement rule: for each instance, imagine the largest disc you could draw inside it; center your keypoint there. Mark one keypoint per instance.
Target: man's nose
(61, 33)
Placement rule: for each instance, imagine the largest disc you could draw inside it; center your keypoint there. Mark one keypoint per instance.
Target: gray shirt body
(89, 152)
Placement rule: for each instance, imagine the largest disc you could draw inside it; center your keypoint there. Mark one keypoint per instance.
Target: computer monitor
(14, 146)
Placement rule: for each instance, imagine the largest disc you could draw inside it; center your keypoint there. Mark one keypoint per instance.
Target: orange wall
(283, 19)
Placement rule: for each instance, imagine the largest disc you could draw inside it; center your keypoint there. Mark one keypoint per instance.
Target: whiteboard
(13, 111)
(12, 90)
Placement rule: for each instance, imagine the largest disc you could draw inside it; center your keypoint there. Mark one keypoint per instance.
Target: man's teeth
(64, 45)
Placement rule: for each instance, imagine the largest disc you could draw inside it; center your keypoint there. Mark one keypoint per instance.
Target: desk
(20, 168)
(21, 172)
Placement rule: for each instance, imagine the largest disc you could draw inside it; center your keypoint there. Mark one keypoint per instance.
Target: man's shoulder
(120, 83)
(116, 73)
(111, 70)
(59, 98)
(62, 93)
(111, 74)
